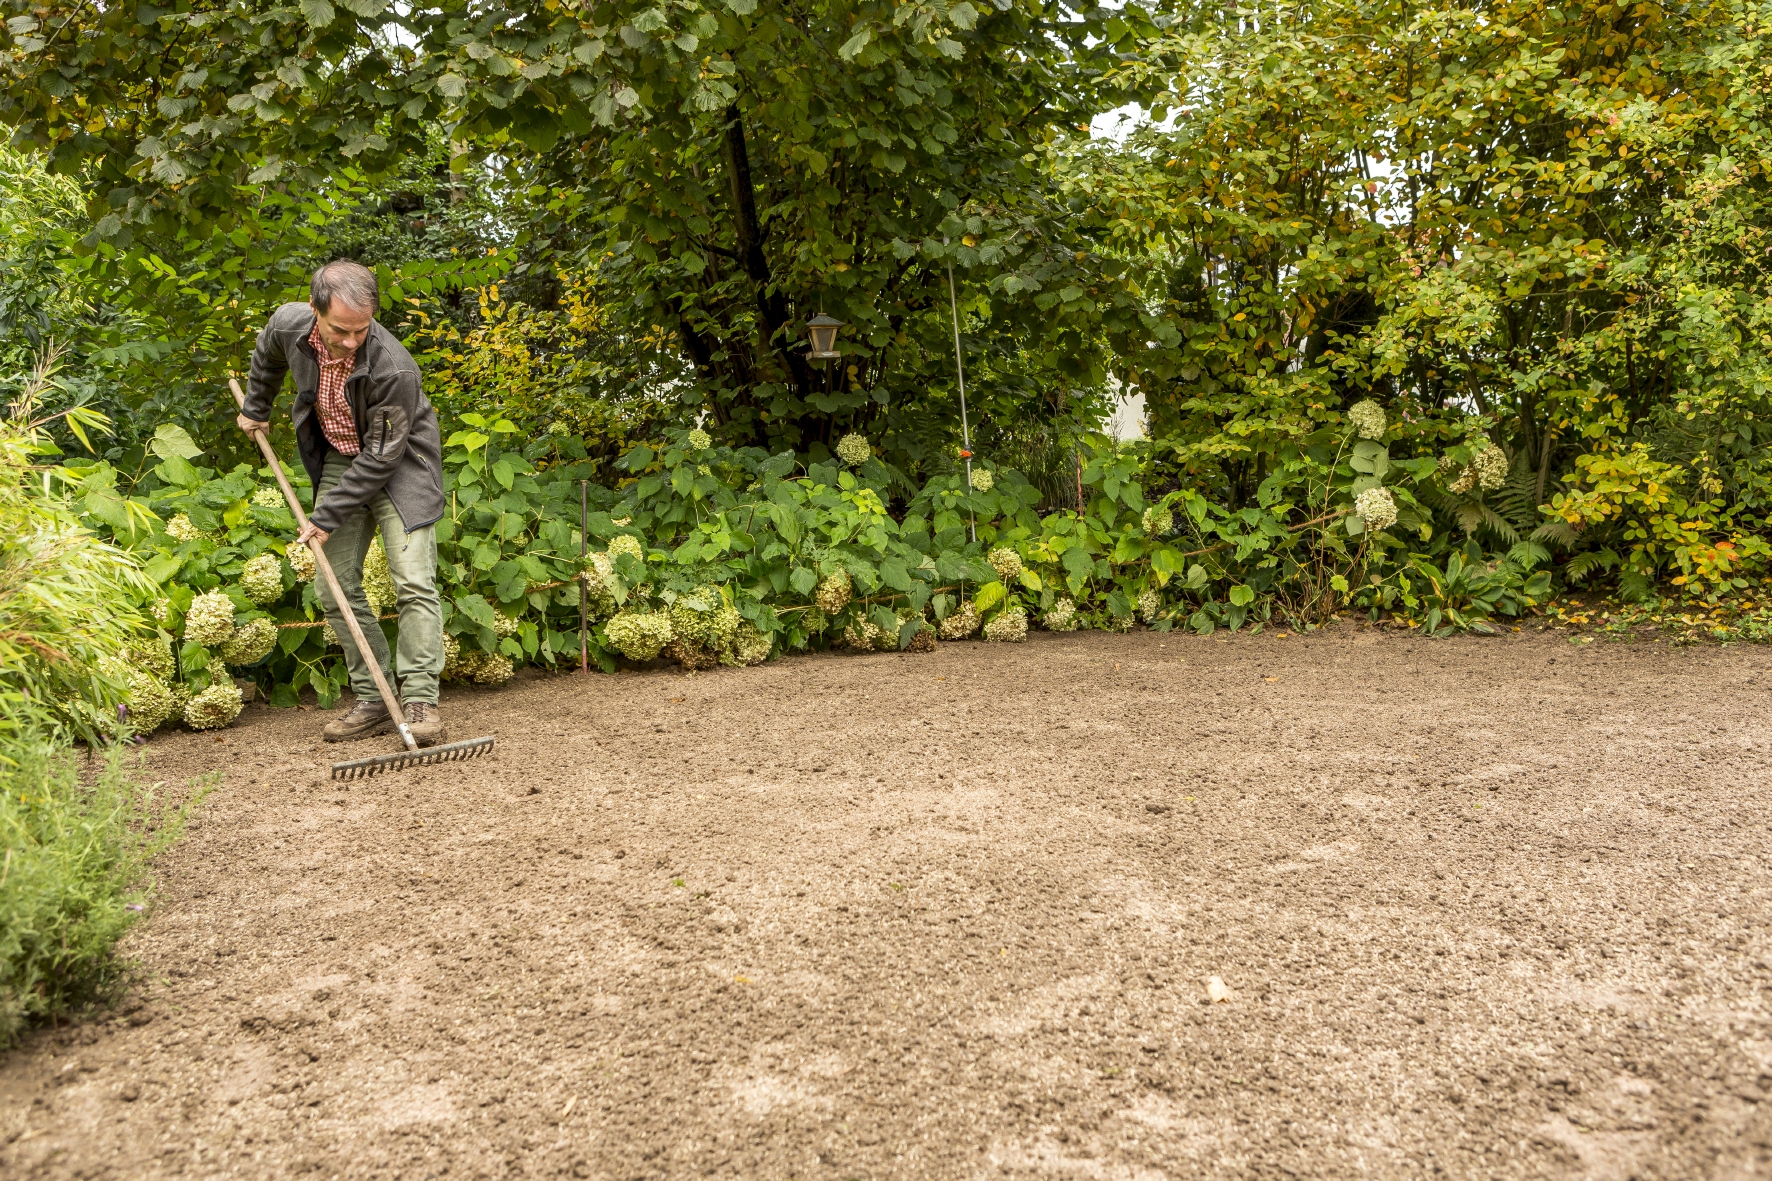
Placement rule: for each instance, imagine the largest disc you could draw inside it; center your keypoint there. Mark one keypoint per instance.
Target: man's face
(344, 328)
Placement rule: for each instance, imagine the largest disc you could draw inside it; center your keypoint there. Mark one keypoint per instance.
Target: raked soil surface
(1480, 908)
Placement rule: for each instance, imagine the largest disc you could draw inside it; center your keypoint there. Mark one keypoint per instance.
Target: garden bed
(1492, 907)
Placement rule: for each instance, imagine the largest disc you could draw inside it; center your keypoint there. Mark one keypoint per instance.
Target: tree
(736, 167)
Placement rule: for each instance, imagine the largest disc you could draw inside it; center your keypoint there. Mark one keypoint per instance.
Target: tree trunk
(772, 309)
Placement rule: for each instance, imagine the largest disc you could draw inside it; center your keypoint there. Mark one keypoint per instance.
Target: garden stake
(965, 430)
(584, 590)
(413, 755)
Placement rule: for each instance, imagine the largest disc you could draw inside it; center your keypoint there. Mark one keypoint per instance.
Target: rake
(413, 755)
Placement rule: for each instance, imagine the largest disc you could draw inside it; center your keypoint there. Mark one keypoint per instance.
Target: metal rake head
(449, 752)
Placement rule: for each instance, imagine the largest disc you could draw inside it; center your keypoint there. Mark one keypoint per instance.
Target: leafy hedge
(709, 554)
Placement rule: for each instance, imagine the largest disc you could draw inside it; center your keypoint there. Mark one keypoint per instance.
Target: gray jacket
(396, 427)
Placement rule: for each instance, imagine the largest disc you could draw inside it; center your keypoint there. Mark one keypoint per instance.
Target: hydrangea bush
(709, 555)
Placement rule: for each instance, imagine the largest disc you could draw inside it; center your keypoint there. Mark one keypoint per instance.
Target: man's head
(344, 296)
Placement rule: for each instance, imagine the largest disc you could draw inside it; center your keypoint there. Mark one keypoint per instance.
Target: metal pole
(960, 368)
(584, 593)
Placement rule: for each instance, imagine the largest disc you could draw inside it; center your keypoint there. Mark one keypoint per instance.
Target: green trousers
(412, 560)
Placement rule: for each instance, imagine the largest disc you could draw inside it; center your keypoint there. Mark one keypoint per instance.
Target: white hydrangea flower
(154, 656)
(637, 636)
(833, 592)
(700, 440)
(1367, 418)
(1006, 562)
(181, 529)
(1011, 627)
(1376, 507)
(215, 707)
(505, 625)
(982, 480)
(923, 641)
(600, 581)
(150, 701)
(162, 612)
(210, 621)
(749, 645)
(262, 579)
(1490, 463)
(1158, 520)
(329, 636)
(493, 668)
(626, 543)
(1062, 617)
(961, 624)
(451, 655)
(864, 635)
(378, 580)
(853, 449)
(251, 643)
(558, 429)
(1149, 603)
(269, 498)
(695, 618)
(301, 560)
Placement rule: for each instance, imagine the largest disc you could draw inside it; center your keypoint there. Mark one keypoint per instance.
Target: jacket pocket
(382, 442)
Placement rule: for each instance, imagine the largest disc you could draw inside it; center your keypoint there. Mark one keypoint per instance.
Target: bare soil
(1481, 908)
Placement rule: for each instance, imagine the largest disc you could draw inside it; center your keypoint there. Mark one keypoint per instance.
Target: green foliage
(74, 877)
(1521, 248)
(731, 168)
(1544, 224)
(66, 597)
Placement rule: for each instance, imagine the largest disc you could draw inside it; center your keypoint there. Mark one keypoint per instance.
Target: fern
(1498, 526)
(1528, 554)
(1557, 532)
(1581, 565)
(1516, 499)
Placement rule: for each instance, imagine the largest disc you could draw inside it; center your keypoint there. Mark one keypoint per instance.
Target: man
(369, 440)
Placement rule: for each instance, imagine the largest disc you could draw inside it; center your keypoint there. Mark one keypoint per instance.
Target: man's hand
(308, 531)
(252, 426)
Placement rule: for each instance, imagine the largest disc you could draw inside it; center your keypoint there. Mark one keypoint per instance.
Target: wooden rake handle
(388, 696)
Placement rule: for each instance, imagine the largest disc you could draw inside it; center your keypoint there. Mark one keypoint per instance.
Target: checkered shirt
(334, 411)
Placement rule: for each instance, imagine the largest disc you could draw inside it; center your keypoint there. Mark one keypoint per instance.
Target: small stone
(129, 1092)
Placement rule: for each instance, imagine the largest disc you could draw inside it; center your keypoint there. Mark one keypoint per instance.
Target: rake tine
(452, 752)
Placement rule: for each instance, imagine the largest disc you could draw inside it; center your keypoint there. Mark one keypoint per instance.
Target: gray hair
(351, 282)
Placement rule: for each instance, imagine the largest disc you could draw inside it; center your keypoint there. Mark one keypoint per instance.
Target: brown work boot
(425, 721)
(365, 719)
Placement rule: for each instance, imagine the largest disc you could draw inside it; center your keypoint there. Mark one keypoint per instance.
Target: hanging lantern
(823, 331)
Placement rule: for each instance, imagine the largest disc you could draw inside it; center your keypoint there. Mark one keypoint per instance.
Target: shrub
(75, 876)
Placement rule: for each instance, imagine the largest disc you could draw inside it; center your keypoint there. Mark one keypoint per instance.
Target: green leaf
(1242, 596)
(907, 631)
(1370, 456)
(476, 608)
(174, 470)
(894, 575)
(989, 595)
(171, 442)
(804, 579)
(857, 42)
(317, 13)
(162, 567)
